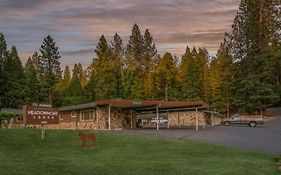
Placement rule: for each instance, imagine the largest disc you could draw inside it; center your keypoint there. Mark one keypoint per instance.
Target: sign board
(137, 102)
(37, 115)
(41, 105)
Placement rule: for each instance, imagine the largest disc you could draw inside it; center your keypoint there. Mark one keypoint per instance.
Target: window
(18, 118)
(87, 115)
(73, 114)
(60, 116)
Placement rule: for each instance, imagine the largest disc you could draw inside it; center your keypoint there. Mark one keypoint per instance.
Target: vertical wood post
(131, 119)
(168, 125)
(213, 120)
(109, 117)
(157, 117)
(178, 119)
(197, 123)
(42, 132)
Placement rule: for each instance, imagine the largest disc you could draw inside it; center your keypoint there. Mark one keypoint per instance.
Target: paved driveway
(266, 138)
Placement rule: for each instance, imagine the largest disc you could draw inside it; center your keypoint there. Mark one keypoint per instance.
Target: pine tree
(255, 32)
(150, 51)
(192, 77)
(180, 76)
(49, 67)
(203, 65)
(14, 91)
(66, 75)
(135, 65)
(63, 84)
(74, 94)
(221, 70)
(32, 86)
(103, 78)
(3, 74)
(80, 71)
(90, 86)
(166, 72)
(83, 77)
(135, 49)
(118, 59)
(74, 88)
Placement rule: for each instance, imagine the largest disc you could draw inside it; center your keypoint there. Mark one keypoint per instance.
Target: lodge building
(130, 114)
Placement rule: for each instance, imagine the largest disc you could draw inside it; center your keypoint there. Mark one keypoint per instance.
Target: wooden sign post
(43, 133)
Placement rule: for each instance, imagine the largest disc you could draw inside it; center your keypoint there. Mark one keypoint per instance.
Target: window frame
(91, 118)
(74, 115)
(19, 117)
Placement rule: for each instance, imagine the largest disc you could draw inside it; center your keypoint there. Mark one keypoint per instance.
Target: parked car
(250, 120)
(162, 121)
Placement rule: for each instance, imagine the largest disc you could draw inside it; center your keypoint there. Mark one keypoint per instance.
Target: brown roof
(132, 103)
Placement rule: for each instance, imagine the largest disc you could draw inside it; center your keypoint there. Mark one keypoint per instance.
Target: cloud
(77, 25)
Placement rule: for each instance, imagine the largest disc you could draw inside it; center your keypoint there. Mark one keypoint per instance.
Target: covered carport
(155, 109)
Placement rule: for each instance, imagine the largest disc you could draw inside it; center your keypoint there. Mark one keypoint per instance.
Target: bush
(5, 118)
(278, 158)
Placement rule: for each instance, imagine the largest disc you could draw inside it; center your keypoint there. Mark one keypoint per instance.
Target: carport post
(109, 122)
(168, 126)
(157, 117)
(178, 120)
(196, 119)
(131, 119)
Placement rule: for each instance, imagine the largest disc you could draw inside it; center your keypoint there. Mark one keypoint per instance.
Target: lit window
(73, 114)
(87, 115)
(60, 116)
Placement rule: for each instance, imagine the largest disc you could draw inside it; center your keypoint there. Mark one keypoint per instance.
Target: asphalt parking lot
(265, 138)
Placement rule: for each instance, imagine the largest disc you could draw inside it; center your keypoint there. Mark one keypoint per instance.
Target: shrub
(5, 118)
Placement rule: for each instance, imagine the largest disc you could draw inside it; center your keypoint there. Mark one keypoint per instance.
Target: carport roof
(12, 110)
(137, 104)
(78, 107)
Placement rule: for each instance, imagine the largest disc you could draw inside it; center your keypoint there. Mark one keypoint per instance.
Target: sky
(76, 25)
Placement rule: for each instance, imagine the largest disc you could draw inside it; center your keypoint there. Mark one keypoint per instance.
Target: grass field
(23, 152)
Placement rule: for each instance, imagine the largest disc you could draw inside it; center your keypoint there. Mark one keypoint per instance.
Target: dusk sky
(76, 25)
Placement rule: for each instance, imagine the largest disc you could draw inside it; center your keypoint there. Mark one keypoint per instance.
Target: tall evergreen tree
(135, 65)
(80, 71)
(192, 82)
(203, 65)
(256, 30)
(3, 74)
(166, 77)
(49, 66)
(74, 93)
(135, 49)
(32, 85)
(150, 51)
(74, 88)
(66, 75)
(83, 76)
(63, 84)
(14, 91)
(118, 59)
(220, 77)
(103, 79)
(181, 73)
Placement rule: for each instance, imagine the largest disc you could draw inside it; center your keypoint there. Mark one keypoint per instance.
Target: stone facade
(186, 118)
(118, 120)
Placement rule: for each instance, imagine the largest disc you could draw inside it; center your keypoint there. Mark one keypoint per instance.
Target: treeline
(243, 76)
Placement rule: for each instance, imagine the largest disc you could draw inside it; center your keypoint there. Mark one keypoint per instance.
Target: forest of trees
(244, 75)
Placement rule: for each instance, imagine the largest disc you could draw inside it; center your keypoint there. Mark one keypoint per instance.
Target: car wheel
(226, 123)
(252, 124)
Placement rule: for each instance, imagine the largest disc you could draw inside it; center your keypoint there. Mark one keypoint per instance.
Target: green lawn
(23, 152)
